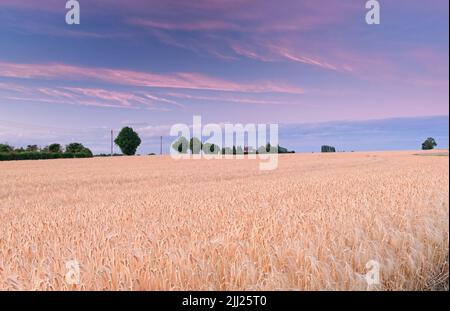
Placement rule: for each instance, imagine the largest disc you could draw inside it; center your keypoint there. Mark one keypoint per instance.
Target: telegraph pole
(112, 133)
(160, 149)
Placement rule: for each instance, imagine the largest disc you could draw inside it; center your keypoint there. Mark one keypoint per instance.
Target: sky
(314, 66)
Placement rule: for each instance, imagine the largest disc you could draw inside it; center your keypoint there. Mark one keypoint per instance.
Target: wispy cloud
(180, 80)
(95, 97)
(221, 97)
(202, 25)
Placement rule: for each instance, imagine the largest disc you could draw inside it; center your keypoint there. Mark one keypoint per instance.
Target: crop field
(153, 223)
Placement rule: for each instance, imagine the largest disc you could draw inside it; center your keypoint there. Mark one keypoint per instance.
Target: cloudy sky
(313, 66)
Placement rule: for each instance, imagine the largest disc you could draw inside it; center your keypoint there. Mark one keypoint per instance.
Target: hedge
(13, 156)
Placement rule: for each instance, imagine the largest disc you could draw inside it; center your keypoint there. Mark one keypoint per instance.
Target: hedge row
(13, 156)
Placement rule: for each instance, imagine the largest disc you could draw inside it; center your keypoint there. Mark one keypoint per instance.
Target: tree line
(52, 151)
(128, 141)
(195, 146)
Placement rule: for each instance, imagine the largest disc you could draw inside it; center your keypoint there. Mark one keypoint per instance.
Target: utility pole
(112, 133)
(160, 149)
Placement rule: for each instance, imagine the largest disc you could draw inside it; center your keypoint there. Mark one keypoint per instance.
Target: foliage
(13, 156)
(55, 148)
(6, 148)
(209, 148)
(195, 145)
(326, 148)
(181, 145)
(429, 144)
(54, 151)
(128, 141)
(32, 148)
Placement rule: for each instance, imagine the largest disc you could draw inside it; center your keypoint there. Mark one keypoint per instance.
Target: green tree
(181, 145)
(32, 148)
(195, 145)
(429, 144)
(6, 148)
(74, 148)
(282, 149)
(209, 148)
(326, 148)
(77, 148)
(268, 148)
(128, 141)
(54, 148)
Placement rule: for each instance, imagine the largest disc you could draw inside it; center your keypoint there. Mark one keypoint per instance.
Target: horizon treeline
(52, 151)
(195, 146)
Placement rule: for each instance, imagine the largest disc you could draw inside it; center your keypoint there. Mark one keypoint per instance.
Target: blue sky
(314, 67)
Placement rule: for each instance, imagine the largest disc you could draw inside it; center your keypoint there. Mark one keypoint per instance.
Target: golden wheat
(152, 223)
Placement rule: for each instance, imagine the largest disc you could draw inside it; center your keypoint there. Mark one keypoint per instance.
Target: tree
(32, 148)
(128, 141)
(227, 150)
(54, 148)
(78, 148)
(195, 145)
(181, 145)
(74, 148)
(429, 144)
(284, 150)
(209, 148)
(326, 148)
(6, 148)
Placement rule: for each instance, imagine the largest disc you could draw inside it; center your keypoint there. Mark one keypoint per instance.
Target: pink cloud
(186, 26)
(180, 80)
(231, 99)
(278, 52)
(85, 96)
(99, 97)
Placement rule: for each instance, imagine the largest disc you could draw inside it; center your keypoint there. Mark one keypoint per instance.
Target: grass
(146, 223)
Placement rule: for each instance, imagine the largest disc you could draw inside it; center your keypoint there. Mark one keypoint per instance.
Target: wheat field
(152, 223)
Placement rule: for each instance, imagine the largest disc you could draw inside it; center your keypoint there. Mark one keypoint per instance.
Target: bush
(6, 148)
(14, 156)
(76, 149)
(32, 148)
(55, 148)
(429, 144)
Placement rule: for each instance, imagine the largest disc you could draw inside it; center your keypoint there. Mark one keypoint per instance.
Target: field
(152, 223)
